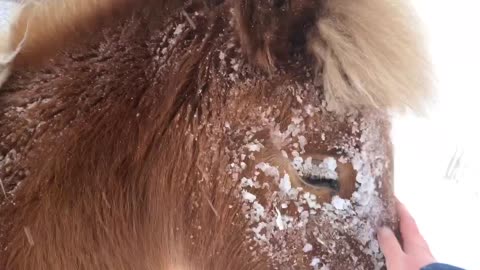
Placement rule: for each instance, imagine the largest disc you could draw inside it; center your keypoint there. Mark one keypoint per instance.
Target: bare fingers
(413, 241)
(390, 247)
(415, 252)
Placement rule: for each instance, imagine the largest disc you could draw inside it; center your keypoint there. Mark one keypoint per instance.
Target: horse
(203, 134)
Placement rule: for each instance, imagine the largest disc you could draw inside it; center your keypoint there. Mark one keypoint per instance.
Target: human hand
(415, 253)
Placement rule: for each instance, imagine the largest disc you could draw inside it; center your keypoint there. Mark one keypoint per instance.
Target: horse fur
(368, 53)
(127, 125)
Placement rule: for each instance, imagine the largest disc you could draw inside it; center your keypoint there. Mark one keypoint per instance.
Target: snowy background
(436, 156)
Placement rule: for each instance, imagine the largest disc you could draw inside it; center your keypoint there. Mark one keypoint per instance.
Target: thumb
(390, 246)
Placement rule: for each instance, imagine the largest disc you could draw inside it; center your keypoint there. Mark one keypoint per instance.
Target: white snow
(307, 248)
(279, 220)
(339, 203)
(285, 184)
(445, 201)
(254, 147)
(315, 262)
(179, 29)
(248, 196)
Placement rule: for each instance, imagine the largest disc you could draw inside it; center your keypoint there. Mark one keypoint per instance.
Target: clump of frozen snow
(315, 262)
(324, 170)
(307, 248)
(248, 196)
(339, 203)
(179, 29)
(254, 147)
(285, 184)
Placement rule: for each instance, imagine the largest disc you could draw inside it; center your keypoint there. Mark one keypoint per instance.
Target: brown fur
(271, 31)
(361, 63)
(115, 153)
(369, 53)
(49, 25)
(119, 211)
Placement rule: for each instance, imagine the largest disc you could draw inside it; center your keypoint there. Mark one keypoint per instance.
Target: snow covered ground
(436, 157)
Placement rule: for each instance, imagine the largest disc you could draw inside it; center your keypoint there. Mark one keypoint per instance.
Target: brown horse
(211, 134)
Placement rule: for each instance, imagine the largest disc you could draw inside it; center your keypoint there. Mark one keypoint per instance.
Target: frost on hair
(53, 25)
